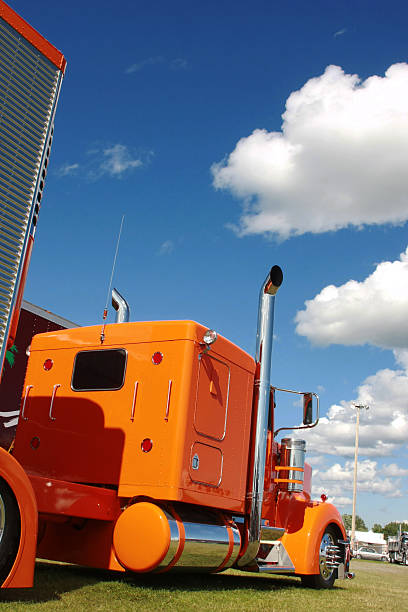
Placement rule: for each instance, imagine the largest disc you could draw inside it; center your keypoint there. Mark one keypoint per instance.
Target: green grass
(377, 586)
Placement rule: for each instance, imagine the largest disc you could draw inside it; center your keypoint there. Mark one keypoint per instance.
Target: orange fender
(22, 571)
(304, 532)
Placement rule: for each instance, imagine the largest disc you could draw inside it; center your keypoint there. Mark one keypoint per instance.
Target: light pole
(353, 516)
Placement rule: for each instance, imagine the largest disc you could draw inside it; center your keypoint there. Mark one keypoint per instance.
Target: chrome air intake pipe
(261, 409)
(121, 306)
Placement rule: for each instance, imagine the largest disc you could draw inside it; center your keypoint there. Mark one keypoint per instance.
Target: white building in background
(364, 538)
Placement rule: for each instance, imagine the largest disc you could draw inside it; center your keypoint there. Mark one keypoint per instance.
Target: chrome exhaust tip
(121, 306)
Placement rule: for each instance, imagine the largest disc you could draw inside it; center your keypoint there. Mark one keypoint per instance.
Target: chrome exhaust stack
(121, 306)
(263, 357)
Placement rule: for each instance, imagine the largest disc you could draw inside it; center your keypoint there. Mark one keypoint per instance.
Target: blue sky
(171, 114)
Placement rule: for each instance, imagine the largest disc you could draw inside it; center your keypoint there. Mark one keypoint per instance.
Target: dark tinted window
(99, 370)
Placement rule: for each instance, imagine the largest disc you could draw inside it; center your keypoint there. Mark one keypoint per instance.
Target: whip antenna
(105, 312)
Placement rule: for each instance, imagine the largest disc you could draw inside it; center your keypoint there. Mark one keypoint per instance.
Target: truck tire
(9, 529)
(325, 579)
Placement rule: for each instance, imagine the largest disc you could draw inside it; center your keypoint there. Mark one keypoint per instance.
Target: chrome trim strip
(174, 542)
(166, 417)
(132, 412)
(275, 569)
(54, 391)
(27, 390)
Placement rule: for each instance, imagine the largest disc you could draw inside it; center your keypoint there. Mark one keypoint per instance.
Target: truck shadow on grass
(52, 581)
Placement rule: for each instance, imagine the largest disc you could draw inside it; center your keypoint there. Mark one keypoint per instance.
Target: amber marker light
(147, 445)
(48, 363)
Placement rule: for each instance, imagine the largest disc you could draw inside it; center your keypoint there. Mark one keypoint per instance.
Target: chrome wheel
(327, 540)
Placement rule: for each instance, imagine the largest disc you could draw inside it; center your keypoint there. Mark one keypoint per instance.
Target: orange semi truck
(150, 446)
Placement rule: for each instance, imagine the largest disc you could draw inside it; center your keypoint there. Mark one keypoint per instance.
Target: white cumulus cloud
(339, 159)
(383, 428)
(372, 311)
(338, 480)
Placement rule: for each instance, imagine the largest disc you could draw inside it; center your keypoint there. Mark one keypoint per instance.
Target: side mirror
(307, 409)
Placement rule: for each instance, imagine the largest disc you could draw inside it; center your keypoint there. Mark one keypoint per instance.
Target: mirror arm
(299, 426)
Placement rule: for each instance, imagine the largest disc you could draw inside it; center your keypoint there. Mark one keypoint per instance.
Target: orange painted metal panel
(305, 523)
(21, 574)
(206, 464)
(64, 498)
(80, 541)
(33, 37)
(211, 405)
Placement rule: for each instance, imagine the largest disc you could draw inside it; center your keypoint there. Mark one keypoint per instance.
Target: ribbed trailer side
(31, 71)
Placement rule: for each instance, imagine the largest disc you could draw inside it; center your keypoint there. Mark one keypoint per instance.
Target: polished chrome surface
(207, 546)
(326, 569)
(206, 538)
(132, 412)
(29, 89)
(274, 555)
(174, 542)
(263, 359)
(166, 416)
(267, 568)
(292, 455)
(121, 306)
(333, 556)
(300, 426)
(270, 534)
(27, 391)
(54, 391)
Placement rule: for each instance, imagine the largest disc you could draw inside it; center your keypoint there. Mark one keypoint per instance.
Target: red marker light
(35, 442)
(48, 363)
(147, 445)
(323, 497)
(157, 358)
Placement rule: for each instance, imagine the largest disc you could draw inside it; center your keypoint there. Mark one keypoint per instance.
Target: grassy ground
(377, 586)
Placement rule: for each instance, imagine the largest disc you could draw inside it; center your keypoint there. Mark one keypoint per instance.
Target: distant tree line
(390, 529)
